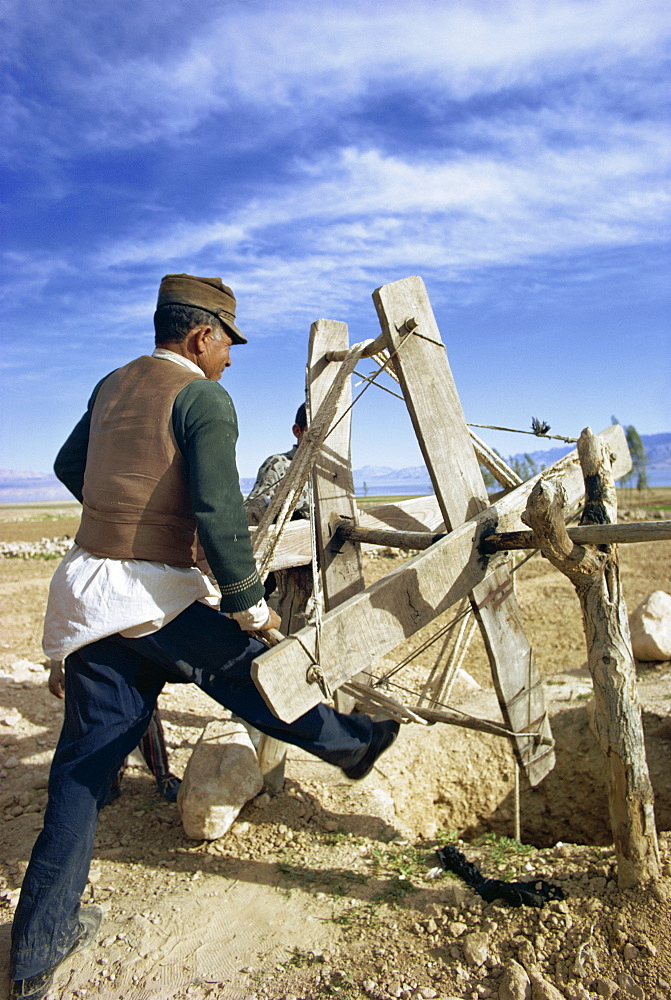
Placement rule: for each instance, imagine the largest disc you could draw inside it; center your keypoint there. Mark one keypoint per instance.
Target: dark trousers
(111, 687)
(155, 752)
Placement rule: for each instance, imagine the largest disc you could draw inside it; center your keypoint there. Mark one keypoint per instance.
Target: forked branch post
(594, 573)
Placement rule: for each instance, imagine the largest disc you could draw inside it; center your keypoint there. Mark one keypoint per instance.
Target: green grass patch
(503, 852)
(300, 959)
(333, 882)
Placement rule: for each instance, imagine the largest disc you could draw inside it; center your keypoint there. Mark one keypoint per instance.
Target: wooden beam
(583, 534)
(424, 373)
(371, 348)
(341, 570)
(418, 513)
(372, 623)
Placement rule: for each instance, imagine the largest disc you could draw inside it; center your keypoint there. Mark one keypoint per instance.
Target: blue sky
(514, 154)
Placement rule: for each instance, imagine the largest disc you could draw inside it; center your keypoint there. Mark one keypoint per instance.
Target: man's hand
(56, 678)
(274, 621)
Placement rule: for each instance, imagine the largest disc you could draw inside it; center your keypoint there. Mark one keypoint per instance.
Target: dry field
(325, 890)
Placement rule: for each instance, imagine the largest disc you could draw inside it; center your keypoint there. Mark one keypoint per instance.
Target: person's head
(195, 317)
(300, 423)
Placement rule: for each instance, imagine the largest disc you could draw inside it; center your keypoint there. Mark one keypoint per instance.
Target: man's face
(216, 356)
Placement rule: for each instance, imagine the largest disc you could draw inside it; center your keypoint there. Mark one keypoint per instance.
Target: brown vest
(136, 502)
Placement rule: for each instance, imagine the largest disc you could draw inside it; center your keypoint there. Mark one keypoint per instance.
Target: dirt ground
(329, 889)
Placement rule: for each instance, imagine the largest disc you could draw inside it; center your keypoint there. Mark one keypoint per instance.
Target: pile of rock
(45, 548)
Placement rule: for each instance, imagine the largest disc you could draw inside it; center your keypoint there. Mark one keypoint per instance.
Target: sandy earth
(327, 889)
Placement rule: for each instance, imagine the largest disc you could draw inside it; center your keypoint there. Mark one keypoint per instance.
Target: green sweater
(206, 430)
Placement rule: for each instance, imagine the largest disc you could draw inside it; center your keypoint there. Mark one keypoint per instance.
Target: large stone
(222, 774)
(650, 626)
(515, 983)
(475, 947)
(542, 989)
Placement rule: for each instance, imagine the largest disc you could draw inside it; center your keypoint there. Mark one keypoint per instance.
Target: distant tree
(639, 459)
(525, 466)
(490, 481)
(488, 477)
(365, 489)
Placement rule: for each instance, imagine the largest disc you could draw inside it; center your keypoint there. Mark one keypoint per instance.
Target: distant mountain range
(657, 447)
(24, 487)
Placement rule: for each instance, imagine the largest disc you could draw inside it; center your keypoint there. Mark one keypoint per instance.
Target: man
(153, 462)
(271, 473)
(290, 589)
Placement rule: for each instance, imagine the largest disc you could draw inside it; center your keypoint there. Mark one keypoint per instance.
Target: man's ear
(200, 336)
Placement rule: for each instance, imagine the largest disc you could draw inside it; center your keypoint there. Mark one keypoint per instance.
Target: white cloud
(503, 184)
(447, 211)
(290, 59)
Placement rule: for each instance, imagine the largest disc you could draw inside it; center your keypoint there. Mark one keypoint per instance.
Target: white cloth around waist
(90, 598)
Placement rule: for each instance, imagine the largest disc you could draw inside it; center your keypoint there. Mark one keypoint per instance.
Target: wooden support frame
(371, 623)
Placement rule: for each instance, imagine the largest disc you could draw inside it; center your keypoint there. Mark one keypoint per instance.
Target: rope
(424, 646)
(501, 471)
(371, 381)
(516, 430)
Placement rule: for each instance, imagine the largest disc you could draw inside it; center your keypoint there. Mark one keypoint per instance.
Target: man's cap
(210, 294)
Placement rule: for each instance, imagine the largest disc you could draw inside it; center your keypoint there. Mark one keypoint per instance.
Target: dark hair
(173, 323)
(301, 417)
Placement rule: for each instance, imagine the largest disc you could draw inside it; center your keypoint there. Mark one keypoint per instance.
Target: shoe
(169, 787)
(37, 987)
(384, 734)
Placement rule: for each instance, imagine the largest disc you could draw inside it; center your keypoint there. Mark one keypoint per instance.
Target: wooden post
(431, 395)
(340, 568)
(595, 575)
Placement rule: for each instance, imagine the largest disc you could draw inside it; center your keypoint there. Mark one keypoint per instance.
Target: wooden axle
(369, 348)
(345, 531)
(584, 534)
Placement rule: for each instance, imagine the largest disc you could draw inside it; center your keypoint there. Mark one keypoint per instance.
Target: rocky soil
(330, 888)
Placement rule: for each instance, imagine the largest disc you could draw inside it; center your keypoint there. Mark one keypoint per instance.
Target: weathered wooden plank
(443, 436)
(341, 571)
(423, 513)
(421, 364)
(372, 623)
(341, 568)
(417, 514)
